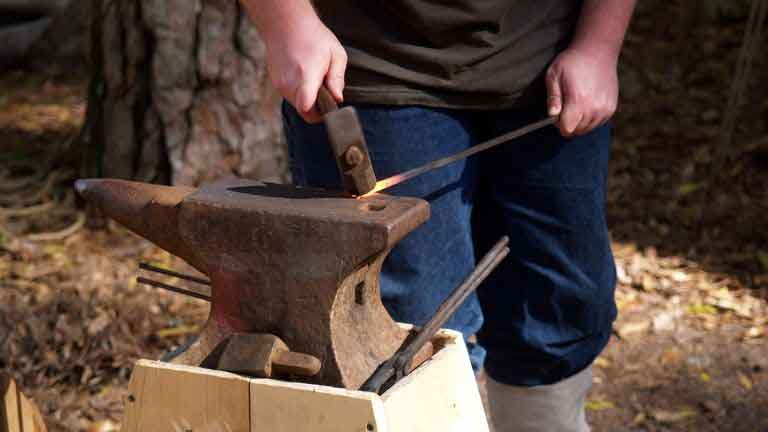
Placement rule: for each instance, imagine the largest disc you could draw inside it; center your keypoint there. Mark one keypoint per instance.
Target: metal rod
(460, 294)
(407, 175)
(186, 277)
(397, 366)
(165, 286)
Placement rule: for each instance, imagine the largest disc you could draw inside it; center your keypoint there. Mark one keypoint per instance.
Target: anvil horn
(148, 210)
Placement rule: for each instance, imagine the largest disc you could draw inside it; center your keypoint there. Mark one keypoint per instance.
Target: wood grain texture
(168, 397)
(17, 413)
(292, 407)
(440, 395)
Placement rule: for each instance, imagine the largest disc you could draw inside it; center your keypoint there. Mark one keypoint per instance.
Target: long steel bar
(186, 277)
(167, 287)
(397, 367)
(447, 309)
(439, 163)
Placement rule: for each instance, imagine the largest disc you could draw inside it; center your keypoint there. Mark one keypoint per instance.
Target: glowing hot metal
(399, 178)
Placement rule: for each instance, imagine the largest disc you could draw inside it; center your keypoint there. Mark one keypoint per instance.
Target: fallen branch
(59, 235)
(10, 182)
(40, 195)
(27, 211)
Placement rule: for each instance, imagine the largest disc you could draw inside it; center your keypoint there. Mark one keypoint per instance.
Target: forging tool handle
(399, 365)
(326, 103)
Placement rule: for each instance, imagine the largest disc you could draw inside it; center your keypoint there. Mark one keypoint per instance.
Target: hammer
(348, 144)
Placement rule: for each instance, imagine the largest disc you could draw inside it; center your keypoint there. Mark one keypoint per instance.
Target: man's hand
(300, 62)
(582, 81)
(302, 53)
(583, 91)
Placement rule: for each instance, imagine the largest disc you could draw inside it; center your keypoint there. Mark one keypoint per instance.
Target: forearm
(602, 26)
(275, 17)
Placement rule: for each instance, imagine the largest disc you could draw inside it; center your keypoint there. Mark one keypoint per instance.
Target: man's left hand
(583, 90)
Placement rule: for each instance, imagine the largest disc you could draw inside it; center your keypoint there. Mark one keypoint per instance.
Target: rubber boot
(557, 407)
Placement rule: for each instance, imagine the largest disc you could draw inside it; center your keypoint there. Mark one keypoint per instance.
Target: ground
(687, 216)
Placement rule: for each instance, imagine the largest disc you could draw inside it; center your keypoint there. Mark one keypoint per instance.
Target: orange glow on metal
(384, 184)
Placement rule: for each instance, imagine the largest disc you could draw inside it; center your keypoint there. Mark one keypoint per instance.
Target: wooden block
(168, 397)
(278, 406)
(17, 413)
(441, 395)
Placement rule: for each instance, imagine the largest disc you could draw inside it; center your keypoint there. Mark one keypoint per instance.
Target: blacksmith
(431, 78)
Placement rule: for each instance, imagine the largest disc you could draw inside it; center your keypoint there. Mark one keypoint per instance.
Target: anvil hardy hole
(360, 293)
(375, 206)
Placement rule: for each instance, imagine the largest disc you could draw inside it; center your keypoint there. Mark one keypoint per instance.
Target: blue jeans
(546, 313)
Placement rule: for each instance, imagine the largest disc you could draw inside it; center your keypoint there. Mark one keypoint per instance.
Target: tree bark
(64, 44)
(179, 94)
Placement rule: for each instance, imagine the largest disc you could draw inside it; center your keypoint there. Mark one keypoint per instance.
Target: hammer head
(350, 151)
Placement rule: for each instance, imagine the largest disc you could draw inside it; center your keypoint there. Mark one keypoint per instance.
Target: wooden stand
(17, 413)
(441, 395)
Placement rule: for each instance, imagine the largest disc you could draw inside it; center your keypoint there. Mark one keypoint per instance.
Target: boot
(557, 407)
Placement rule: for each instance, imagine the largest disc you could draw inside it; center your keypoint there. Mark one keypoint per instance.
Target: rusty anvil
(298, 263)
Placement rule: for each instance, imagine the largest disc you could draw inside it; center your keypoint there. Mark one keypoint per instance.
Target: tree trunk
(63, 45)
(179, 94)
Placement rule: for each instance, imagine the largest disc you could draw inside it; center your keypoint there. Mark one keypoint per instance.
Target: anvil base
(440, 395)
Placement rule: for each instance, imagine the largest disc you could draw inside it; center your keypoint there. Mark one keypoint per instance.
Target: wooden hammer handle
(326, 103)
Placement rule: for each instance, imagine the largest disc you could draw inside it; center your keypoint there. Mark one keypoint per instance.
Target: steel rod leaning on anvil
(174, 289)
(398, 366)
(195, 293)
(182, 276)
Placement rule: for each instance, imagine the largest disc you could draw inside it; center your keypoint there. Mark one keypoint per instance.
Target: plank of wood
(440, 395)
(17, 413)
(9, 406)
(165, 396)
(169, 397)
(292, 407)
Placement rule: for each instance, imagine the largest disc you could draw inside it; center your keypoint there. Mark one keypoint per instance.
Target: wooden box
(441, 395)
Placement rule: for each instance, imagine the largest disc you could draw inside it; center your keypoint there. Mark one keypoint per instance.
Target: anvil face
(302, 264)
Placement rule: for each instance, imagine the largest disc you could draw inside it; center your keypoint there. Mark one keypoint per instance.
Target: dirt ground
(690, 231)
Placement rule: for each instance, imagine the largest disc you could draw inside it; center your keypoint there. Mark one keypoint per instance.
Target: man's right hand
(302, 53)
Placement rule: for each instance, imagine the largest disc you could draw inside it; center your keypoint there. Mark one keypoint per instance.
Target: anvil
(299, 263)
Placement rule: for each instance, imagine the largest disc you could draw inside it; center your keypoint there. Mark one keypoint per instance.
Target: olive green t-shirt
(484, 54)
